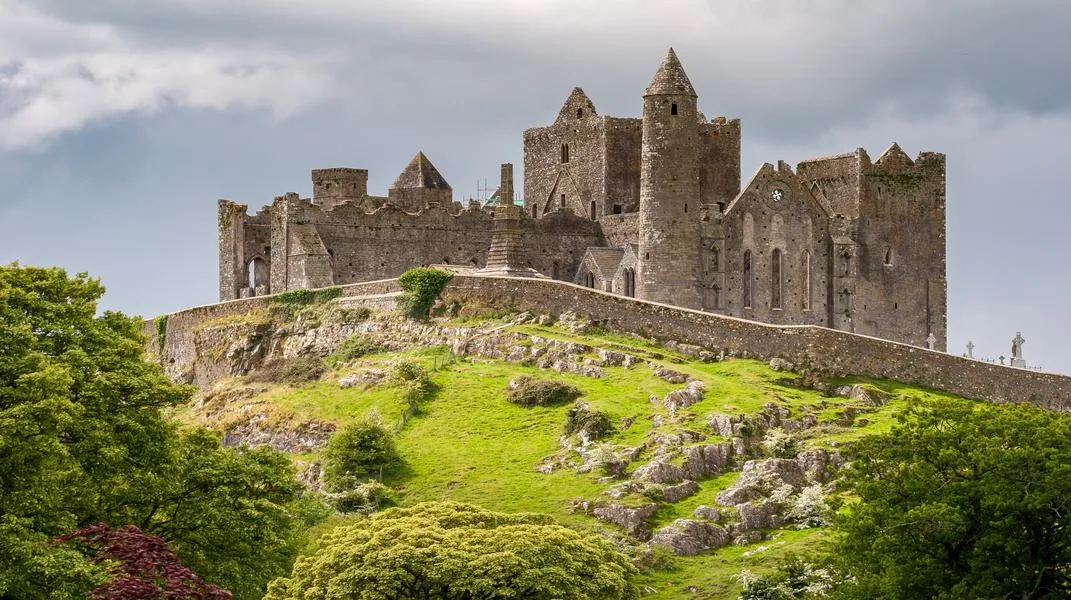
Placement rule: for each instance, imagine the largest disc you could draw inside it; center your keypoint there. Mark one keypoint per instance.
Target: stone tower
(419, 185)
(331, 187)
(669, 261)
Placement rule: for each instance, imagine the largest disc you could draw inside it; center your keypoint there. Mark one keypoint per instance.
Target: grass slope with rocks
(711, 468)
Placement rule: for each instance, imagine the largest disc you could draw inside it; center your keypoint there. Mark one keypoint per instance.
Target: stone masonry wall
(826, 350)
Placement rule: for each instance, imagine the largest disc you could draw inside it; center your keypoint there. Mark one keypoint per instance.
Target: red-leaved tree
(142, 566)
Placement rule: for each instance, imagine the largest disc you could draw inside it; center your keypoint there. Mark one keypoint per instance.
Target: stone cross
(1017, 351)
(1002, 359)
(970, 349)
(931, 341)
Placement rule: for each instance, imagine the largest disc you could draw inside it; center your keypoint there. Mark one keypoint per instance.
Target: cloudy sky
(122, 121)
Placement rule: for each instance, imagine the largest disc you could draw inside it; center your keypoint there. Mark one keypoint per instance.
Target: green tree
(454, 551)
(960, 500)
(358, 451)
(83, 440)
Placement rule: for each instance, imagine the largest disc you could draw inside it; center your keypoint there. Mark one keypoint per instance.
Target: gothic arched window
(775, 279)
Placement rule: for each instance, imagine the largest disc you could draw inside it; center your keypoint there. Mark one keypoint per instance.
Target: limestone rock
(708, 513)
(658, 471)
(780, 364)
(629, 517)
(298, 438)
(685, 397)
(711, 459)
(365, 378)
(764, 514)
(738, 494)
(674, 493)
(819, 465)
(869, 396)
(688, 538)
(722, 425)
(668, 374)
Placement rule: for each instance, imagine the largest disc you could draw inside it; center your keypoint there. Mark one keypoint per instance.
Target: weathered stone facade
(648, 207)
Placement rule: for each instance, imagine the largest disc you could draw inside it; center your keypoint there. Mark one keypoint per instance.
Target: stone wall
(620, 230)
(825, 350)
(900, 288)
(794, 223)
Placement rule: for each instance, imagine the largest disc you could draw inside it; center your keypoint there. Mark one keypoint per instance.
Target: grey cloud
(130, 196)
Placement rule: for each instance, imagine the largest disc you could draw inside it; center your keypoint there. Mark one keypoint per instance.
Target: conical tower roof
(420, 173)
(670, 78)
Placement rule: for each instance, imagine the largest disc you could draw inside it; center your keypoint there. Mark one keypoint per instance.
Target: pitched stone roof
(577, 100)
(894, 157)
(420, 173)
(606, 260)
(670, 78)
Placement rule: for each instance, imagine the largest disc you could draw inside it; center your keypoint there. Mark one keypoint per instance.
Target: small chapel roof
(420, 173)
(670, 78)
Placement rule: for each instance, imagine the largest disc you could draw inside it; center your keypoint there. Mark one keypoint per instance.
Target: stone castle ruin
(648, 207)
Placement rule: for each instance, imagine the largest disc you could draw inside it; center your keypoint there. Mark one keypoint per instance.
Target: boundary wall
(826, 351)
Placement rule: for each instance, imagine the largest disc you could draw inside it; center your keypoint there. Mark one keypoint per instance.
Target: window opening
(747, 279)
(775, 279)
(673, 108)
(592, 210)
(617, 209)
(565, 153)
(806, 280)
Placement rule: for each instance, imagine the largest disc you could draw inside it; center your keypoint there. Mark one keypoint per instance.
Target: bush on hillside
(526, 391)
(356, 452)
(302, 369)
(593, 422)
(421, 287)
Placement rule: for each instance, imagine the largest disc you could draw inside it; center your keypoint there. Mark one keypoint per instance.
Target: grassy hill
(467, 443)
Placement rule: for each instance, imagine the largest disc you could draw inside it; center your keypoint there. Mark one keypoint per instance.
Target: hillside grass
(467, 443)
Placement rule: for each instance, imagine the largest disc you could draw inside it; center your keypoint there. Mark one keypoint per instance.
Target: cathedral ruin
(648, 207)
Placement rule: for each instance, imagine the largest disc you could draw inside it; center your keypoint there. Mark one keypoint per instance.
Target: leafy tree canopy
(142, 566)
(960, 500)
(453, 551)
(83, 441)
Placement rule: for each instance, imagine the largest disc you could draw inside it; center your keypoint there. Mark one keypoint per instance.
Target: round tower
(669, 239)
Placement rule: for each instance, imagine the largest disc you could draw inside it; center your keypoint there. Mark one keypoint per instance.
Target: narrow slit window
(747, 279)
(775, 279)
(673, 108)
(806, 280)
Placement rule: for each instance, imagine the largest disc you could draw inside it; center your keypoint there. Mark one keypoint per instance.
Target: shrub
(780, 444)
(525, 391)
(365, 497)
(306, 297)
(289, 370)
(421, 287)
(593, 422)
(358, 451)
(657, 558)
(352, 348)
